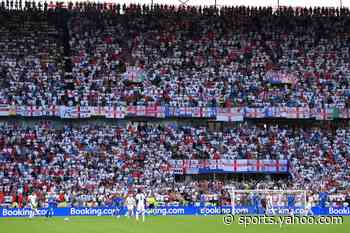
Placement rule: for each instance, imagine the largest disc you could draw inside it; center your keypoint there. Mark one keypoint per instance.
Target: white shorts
(33, 205)
(130, 207)
(140, 208)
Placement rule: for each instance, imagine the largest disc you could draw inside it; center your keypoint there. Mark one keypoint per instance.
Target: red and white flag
(344, 113)
(53, 110)
(34, 111)
(98, 111)
(83, 112)
(323, 113)
(141, 111)
(115, 112)
(255, 113)
(229, 114)
(298, 112)
(198, 112)
(155, 111)
(240, 165)
(4, 110)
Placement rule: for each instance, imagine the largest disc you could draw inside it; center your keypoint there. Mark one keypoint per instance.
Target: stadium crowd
(92, 164)
(187, 56)
(89, 54)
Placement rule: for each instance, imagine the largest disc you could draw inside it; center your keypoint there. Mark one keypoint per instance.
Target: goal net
(270, 202)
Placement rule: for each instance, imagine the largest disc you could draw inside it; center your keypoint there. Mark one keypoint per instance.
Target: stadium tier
(288, 68)
(89, 164)
(186, 57)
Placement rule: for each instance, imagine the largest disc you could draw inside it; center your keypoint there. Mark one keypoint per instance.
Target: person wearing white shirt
(33, 205)
(130, 204)
(140, 206)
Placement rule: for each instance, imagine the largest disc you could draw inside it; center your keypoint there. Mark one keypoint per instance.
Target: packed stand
(177, 56)
(205, 57)
(90, 165)
(30, 59)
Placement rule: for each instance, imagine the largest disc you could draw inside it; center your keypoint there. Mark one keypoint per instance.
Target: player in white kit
(269, 204)
(308, 206)
(140, 206)
(130, 205)
(33, 205)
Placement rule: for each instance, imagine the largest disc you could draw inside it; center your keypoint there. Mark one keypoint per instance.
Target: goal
(266, 201)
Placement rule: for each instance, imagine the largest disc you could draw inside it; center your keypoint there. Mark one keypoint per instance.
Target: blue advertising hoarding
(181, 210)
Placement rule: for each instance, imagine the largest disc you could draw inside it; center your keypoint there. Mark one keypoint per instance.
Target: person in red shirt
(20, 200)
(14, 200)
(2, 197)
(61, 197)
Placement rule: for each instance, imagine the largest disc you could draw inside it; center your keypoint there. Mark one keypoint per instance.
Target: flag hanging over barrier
(254, 112)
(4, 110)
(75, 112)
(229, 166)
(219, 114)
(115, 112)
(229, 114)
(298, 113)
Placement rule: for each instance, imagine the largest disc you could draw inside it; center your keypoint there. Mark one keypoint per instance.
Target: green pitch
(161, 224)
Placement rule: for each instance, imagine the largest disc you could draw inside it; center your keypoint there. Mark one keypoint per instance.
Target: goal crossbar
(233, 192)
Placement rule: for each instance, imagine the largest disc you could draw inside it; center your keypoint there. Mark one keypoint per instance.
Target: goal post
(267, 200)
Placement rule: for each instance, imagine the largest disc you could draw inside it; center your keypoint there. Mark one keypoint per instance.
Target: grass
(159, 224)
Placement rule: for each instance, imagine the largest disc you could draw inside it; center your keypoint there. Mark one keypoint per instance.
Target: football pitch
(159, 224)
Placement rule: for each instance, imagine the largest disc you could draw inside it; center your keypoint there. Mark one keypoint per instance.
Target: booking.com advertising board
(189, 210)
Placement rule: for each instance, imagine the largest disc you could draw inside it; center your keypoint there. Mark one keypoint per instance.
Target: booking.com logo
(92, 212)
(22, 212)
(220, 210)
(165, 211)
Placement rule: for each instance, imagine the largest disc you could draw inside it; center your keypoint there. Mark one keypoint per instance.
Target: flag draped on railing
(218, 114)
(229, 166)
